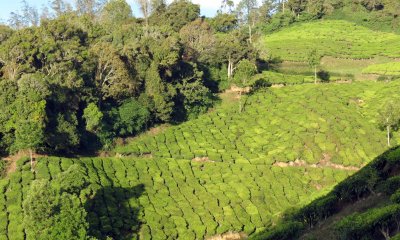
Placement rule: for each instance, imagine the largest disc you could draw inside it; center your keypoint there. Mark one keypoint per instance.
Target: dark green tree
(133, 118)
(53, 210)
(30, 114)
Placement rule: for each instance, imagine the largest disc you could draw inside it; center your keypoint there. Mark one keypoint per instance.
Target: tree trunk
(388, 135)
(385, 233)
(240, 101)
(283, 6)
(31, 156)
(315, 74)
(230, 68)
(250, 35)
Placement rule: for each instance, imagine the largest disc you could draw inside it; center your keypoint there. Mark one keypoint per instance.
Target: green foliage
(132, 118)
(224, 22)
(93, 117)
(389, 117)
(179, 13)
(280, 78)
(245, 70)
(50, 214)
(30, 115)
(313, 58)
(87, 63)
(368, 223)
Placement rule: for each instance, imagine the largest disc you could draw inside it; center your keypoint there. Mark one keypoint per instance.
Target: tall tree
(30, 14)
(157, 4)
(30, 114)
(247, 9)
(112, 78)
(267, 9)
(227, 6)
(198, 36)
(181, 12)
(224, 22)
(297, 6)
(60, 7)
(90, 7)
(245, 70)
(145, 8)
(314, 59)
(389, 117)
(115, 13)
(232, 47)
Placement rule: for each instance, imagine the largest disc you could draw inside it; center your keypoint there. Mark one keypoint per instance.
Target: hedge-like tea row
(327, 122)
(392, 69)
(179, 199)
(335, 38)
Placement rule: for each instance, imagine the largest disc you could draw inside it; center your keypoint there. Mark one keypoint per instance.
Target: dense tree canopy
(87, 72)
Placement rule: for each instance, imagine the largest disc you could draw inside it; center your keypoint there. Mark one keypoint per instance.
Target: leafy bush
(373, 222)
(323, 75)
(132, 118)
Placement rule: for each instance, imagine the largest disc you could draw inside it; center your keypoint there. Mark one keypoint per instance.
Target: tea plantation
(288, 79)
(222, 172)
(282, 125)
(392, 68)
(171, 198)
(335, 38)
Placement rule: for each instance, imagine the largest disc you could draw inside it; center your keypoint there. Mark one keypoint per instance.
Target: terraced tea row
(392, 68)
(172, 199)
(328, 122)
(290, 79)
(333, 38)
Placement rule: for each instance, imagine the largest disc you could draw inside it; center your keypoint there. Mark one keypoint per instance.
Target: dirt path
(12, 161)
(228, 236)
(323, 163)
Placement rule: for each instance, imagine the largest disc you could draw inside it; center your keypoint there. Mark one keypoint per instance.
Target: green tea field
(265, 133)
(335, 38)
(171, 198)
(222, 172)
(181, 119)
(392, 68)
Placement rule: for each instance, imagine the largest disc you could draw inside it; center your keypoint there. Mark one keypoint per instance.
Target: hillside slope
(307, 122)
(225, 171)
(364, 206)
(335, 38)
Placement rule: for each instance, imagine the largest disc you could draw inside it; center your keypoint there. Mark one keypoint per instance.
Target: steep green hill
(335, 38)
(225, 171)
(307, 122)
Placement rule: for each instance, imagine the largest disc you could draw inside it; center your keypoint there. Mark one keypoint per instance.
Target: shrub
(323, 75)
